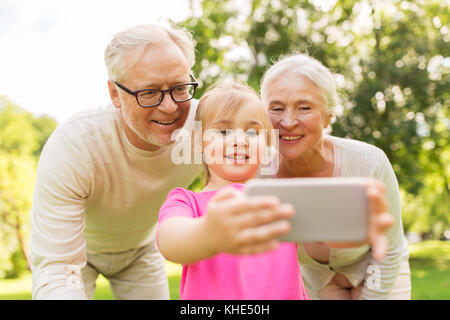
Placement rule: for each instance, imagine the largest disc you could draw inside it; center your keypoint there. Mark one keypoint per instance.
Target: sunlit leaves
(393, 61)
(22, 137)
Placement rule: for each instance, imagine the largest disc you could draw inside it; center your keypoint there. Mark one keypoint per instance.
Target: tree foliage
(22, 137)
(391, 59)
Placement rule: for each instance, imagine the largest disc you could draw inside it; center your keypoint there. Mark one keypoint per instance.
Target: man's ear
(114, 94)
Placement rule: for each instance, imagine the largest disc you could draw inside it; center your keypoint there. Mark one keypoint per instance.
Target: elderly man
(105, 172)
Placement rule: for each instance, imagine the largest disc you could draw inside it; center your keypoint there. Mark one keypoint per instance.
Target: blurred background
(391, 60)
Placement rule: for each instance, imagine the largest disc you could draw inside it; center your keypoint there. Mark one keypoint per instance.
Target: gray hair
(135, 39)
(307, 66)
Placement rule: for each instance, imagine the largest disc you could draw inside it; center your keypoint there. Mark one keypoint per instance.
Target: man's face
(159, 67)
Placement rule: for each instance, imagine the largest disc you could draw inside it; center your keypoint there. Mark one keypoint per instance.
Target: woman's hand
(238, 224)
(380, 220)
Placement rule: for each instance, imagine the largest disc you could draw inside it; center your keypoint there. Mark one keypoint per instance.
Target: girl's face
(234, 146)
(298, 110)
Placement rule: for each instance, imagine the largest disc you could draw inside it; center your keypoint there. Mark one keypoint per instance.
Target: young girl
(225, 241)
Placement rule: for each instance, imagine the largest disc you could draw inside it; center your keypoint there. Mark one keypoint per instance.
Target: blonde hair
(307, 66)
(223, 100)
(135, 39)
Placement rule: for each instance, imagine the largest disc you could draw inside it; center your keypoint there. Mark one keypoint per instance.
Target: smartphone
(326, 209)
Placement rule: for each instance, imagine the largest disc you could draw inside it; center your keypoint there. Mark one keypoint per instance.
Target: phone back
(326, 209)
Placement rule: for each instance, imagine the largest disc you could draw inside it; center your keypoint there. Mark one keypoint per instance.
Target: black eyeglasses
(153, 97)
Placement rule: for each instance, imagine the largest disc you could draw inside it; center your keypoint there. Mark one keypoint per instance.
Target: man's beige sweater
(95, 192)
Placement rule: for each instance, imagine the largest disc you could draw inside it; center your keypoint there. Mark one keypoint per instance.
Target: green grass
(430, 270)
(429, 261)
(20, 289)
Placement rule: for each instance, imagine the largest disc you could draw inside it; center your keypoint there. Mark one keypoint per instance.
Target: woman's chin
(290, 153)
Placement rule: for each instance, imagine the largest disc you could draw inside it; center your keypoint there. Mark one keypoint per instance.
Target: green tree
(21, 132)
(22, 137)
(17, 174)
(391, 60)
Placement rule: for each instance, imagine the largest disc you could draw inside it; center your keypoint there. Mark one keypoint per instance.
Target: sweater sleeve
(58, 247)
(380, 277)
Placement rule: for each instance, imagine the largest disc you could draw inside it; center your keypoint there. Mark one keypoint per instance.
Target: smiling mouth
(291, 138)
(237, 157)
(165, 123)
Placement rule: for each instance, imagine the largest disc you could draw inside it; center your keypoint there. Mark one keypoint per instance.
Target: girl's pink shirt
(274, 275)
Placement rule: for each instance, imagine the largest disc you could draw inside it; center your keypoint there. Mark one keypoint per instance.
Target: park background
(391, 60)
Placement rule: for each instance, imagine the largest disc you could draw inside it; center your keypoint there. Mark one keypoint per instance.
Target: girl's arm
(184, 240)
(233, 224)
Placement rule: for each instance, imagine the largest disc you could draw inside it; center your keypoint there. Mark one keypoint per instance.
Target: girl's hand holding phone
(238, 224)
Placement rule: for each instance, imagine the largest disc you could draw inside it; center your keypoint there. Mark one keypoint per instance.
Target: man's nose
(168, 105)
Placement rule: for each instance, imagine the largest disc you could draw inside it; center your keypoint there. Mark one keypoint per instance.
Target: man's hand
(238, 224)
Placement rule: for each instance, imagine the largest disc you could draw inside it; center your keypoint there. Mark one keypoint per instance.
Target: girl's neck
(216, 183)
(318, 162)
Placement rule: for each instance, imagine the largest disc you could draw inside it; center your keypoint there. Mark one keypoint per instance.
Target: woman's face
(297, 109)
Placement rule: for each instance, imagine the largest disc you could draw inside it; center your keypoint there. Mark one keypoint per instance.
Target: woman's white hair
(135, 39)
(307, 66)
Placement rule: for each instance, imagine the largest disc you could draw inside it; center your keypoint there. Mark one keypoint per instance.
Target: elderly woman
(299, 94)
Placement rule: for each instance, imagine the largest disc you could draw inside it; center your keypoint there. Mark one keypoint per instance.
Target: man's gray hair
(307, 66)
(135, 39)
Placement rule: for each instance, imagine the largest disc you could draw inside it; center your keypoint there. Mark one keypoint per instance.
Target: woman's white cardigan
(360, 159)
